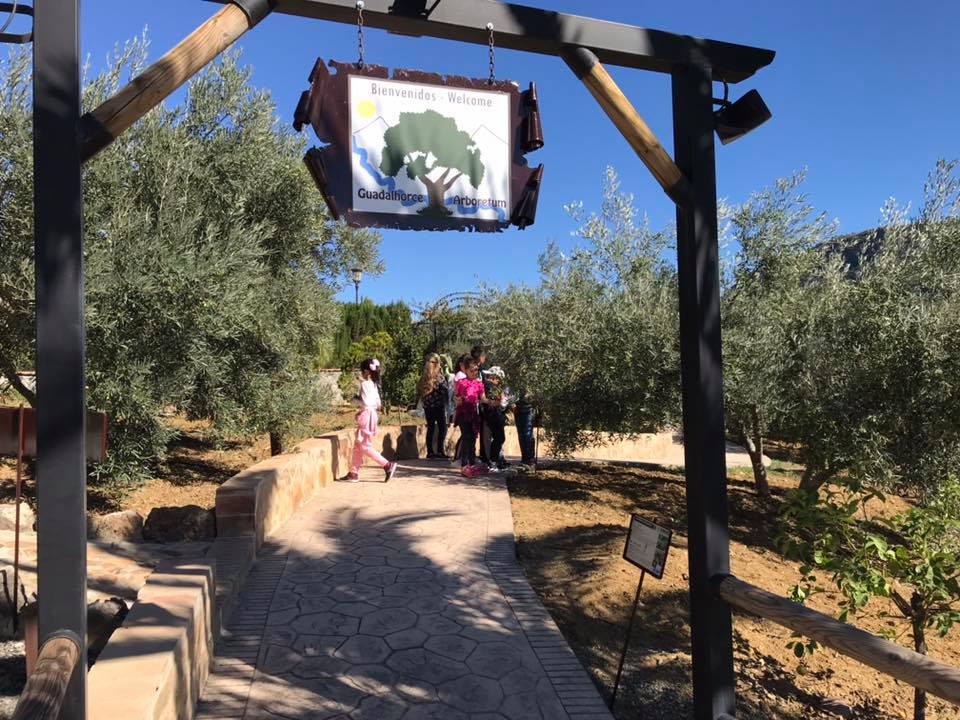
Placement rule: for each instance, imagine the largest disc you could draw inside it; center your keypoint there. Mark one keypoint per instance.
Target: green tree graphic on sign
(428, 142)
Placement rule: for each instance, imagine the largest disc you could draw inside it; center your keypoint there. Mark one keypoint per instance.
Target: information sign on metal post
(647, 547)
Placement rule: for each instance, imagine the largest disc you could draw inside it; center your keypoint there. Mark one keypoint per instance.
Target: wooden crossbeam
(519, 27)
(101, 126)
(635, 131)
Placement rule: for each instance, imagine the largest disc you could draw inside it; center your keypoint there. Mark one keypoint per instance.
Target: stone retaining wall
(259, 499)
(155, 664)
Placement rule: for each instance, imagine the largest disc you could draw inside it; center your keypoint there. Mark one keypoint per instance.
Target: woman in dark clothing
(434, 394)
(523, 416)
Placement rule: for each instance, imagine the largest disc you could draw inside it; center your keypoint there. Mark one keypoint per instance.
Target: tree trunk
(920, 645)
(435, 191)
(814, 478)
(10, 373)
(276, 443)
(752, 439)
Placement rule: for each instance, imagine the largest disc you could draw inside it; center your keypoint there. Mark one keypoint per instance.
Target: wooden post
(101, 126)
(618, 108)
(889, 658)
(46, 687)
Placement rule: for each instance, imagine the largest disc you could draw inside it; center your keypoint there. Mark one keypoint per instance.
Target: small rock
(837, 707)
(177, 524)
(103, 617)
(124, 526)
(8, 517)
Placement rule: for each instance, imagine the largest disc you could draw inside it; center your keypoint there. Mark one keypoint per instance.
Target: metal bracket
(17, 9)
(255, 10)
(94, 136)
(412, 8)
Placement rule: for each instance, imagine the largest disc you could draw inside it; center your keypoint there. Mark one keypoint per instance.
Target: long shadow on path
(375, 601)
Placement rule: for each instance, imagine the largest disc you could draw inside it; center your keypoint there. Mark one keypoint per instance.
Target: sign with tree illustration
(421, 151)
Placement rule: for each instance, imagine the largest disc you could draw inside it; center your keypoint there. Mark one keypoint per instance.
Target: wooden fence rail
(46, 687)
(906, 665)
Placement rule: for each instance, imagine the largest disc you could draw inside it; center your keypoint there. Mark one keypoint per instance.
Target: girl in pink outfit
(367, 423)
(469, 397)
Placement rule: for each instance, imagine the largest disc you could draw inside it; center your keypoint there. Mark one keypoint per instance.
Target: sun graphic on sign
(366, 109)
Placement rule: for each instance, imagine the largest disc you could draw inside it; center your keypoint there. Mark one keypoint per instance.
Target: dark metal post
(356, 292)
(61, 462)
(626, 640)
(702, 378)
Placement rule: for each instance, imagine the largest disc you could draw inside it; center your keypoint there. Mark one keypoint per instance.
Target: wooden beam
(889, 658)
(102, 126)
(519, 27)
(45, 689)
(635, 131)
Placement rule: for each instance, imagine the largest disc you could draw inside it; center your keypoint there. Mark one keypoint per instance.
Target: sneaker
(351, 478)
(389, 471)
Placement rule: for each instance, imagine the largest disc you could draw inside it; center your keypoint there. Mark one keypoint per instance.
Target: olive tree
(595, 344)
(870, 384)
(777, 237)
(210, 260)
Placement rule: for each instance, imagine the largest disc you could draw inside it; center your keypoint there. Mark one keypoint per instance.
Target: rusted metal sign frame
(326, 108)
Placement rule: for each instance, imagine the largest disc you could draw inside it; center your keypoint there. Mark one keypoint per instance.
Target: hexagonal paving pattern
(384, 608)
(364, 649)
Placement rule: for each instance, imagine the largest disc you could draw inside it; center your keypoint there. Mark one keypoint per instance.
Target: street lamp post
(357, 277)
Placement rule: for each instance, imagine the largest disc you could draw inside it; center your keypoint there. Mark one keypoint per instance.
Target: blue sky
(864, 94)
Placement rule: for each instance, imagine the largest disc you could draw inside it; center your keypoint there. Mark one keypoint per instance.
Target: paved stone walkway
(396, 601)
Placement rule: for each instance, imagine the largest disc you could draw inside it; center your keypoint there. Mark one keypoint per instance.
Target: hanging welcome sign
(421, 151)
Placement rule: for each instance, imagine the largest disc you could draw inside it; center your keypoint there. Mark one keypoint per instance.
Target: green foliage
(912, 558)
(777, 235)
(385, 332)
(417, 136)
(379, 345)
(870, 384)
(595, 345)
(846, 346)
(402, 358)
(210, 261)
(359, 321)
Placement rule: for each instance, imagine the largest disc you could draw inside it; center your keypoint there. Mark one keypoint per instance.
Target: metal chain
(492, 66)
(360, 32)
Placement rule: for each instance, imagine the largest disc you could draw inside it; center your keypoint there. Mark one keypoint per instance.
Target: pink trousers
(363, 442)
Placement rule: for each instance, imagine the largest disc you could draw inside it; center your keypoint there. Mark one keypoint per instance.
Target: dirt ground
(570, 524)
